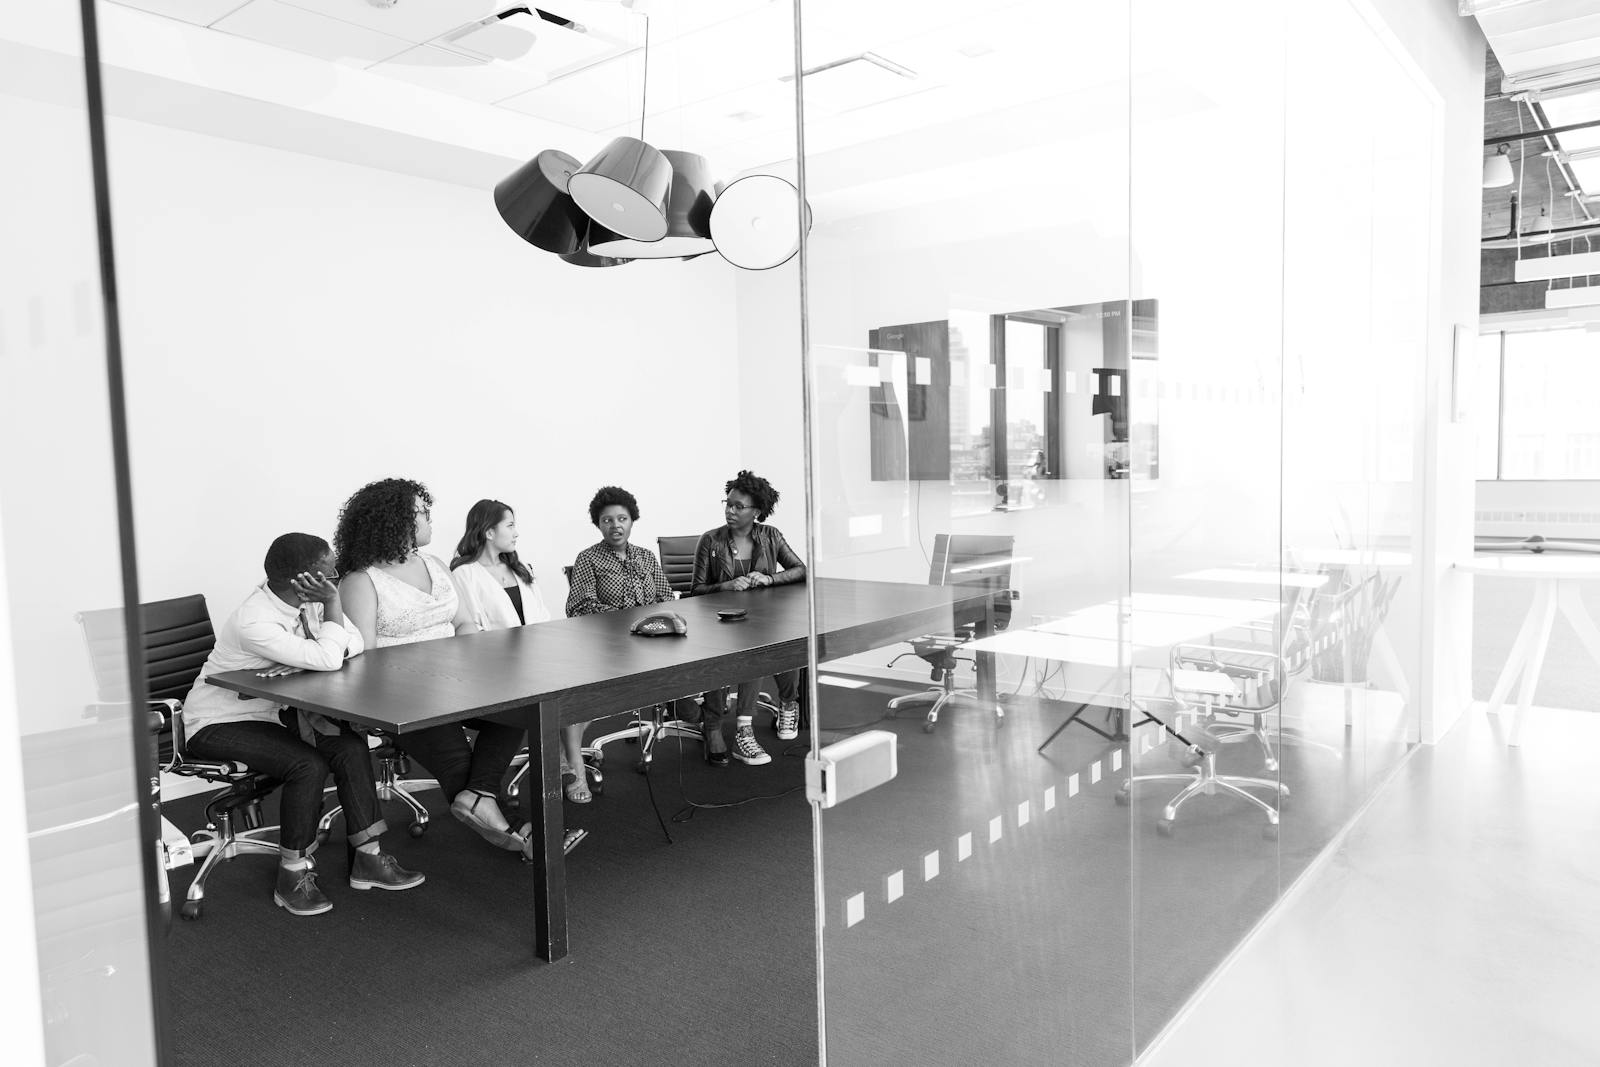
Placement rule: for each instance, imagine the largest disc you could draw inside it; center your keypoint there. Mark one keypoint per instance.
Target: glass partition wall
(1134, 348)
(1103, 466)
(82, 914)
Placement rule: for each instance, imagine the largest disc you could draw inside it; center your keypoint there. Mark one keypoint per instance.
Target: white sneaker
(747, 750)
(787, 722)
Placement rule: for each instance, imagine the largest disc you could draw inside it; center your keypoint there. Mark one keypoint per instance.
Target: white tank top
(406, 614)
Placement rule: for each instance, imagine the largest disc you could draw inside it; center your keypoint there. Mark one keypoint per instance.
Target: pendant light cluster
(633, 201)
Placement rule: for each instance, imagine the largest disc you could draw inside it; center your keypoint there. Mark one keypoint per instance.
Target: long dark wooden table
(572, 670)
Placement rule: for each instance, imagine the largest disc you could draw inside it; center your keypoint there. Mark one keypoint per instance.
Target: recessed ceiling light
(975, 51)
(743, 116)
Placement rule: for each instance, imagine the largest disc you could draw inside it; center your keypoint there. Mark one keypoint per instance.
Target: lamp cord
(644, 79)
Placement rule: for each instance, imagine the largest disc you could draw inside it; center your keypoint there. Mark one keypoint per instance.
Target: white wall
(296, 327)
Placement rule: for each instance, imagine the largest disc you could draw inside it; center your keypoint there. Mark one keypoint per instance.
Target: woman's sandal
(467, 812)
(577, 789)
(570, 840)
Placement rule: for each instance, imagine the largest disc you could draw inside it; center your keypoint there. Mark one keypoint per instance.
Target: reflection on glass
(85, 851)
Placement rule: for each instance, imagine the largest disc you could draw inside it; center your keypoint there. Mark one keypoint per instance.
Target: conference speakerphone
(850, 767)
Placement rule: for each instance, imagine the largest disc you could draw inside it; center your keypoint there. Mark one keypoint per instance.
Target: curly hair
(608, 496)
(378, 524)
(484, 516)
(758, 489)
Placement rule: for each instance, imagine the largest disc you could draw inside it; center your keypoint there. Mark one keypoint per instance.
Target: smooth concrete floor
(1458, 923)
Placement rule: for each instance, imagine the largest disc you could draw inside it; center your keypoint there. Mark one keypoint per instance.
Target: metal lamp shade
(584, 257)
(625, 189)
(688, 216)
(534, 202)
(755, 223)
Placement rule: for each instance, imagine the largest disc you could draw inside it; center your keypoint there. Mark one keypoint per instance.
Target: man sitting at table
(293, 621)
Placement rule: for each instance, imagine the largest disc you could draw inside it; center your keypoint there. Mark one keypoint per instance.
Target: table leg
(541, 806)
(1545, 603)
(1519, 652)
(1571, 605)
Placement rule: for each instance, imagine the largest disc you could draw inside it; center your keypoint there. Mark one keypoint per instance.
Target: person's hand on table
(758, 580)
(740, 584)
(279, 671)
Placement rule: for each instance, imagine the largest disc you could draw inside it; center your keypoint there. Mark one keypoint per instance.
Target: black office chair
(649, 725)
(960, 559)
(177, 638)
(392, 784)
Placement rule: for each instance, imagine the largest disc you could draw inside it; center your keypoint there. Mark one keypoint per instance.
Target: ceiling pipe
(1507, 138)
(1562, 165)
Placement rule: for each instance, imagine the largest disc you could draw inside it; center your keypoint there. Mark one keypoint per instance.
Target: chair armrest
(190, 768)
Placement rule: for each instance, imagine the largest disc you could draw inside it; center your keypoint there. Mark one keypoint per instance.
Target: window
(1535, 402)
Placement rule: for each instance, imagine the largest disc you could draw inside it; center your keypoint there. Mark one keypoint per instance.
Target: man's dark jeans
(302, 768)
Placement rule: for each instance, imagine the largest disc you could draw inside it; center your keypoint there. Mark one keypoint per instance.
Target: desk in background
(564, 671)
(1556, 578)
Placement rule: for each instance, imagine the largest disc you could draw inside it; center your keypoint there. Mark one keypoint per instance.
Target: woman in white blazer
(498, 591)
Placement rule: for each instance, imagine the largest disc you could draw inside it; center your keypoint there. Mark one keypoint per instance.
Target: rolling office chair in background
(960, 559)
(1231, 691)
(177, 638)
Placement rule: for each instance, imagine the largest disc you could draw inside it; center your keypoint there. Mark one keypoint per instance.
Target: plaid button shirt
(602, 582)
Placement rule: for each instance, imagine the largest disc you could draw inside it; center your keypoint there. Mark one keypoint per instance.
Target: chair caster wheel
(416, 829)
(1270, 831)
(190, 910)
(999, 721)
(643, 767)
(1166, 828)
(1122, 798)
(322, 838)
(927, 727)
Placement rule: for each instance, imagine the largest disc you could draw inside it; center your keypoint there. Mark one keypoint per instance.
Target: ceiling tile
(298, 30)
(450, 72)
(416, 21)
(199, 12)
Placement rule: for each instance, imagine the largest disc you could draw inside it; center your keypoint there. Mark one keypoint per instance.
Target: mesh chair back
(677, 560)
(976, 559)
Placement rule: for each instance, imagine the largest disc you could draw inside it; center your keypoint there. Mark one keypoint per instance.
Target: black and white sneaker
(747, 750)
(787, 722)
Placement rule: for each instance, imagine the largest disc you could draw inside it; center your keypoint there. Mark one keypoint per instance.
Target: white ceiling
(720, 72)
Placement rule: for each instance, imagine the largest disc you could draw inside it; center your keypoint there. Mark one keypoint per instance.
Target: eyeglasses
(731, 506)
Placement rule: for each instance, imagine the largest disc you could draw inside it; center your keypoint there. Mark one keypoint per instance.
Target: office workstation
(1075, 516)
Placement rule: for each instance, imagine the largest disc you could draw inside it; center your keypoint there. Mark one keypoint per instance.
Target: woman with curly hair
(500, 592)
(743, 554)
(395, 594)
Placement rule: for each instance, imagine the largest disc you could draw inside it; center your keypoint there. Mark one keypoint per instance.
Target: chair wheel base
(191, 910)
(416, 829)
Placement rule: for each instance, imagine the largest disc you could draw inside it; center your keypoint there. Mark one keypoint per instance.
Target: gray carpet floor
(704, 952)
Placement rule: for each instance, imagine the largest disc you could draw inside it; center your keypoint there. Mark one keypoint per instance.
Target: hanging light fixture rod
(1530, 135)
(865, 57)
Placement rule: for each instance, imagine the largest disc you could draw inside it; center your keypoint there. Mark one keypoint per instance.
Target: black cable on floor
(685, 813)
